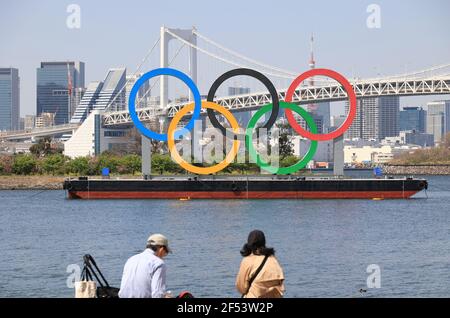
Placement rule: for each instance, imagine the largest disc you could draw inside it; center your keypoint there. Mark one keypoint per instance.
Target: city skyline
(40, 24)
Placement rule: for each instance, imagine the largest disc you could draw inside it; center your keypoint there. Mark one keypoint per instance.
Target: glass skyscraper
(54, 81)
(323, 110)
(109, 93)
(376, 118)
(438, 119)
(412, 118)
(9, 99)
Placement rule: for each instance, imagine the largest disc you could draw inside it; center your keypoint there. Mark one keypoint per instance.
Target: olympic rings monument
(189, 35)
(238, 187)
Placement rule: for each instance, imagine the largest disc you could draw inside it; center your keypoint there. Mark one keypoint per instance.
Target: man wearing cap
(144, 274)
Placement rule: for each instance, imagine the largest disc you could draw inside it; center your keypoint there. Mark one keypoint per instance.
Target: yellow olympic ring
(189, 167)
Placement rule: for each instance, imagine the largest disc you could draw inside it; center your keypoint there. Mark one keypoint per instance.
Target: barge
(231, 187)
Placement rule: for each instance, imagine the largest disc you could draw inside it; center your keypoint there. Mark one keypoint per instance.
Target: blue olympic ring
(170, 72)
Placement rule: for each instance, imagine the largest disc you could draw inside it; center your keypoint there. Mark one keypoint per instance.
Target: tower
(167, 34)
(312, 108)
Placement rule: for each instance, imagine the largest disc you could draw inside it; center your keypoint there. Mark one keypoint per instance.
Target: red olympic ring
(347, 87)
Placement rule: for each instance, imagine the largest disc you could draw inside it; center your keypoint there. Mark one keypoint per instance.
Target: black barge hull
(251, 188)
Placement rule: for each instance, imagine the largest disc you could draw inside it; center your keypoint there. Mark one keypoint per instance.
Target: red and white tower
(312, 64)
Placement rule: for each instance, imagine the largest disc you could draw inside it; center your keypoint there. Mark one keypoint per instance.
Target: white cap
(159, 239)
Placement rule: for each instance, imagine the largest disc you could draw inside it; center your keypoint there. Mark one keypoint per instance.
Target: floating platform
(235, 187)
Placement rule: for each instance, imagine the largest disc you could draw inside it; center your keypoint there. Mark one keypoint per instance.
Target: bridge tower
(190, 36)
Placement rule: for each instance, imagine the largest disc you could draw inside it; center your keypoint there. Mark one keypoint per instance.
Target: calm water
(323, 246)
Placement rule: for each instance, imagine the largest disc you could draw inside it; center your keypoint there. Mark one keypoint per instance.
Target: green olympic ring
(257, 158)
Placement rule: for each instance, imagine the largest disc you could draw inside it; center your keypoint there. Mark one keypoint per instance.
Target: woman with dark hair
(260, 274)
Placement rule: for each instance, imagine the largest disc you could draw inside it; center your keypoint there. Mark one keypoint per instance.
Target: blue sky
(413, 34)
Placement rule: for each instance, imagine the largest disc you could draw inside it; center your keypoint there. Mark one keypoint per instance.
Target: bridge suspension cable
(157, 80)
(134, 74)
(273, 68)
(223, 59)
(411, 75)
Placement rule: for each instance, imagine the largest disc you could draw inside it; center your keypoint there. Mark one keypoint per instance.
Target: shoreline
(43, 182)
(31, 182)
(417, 169)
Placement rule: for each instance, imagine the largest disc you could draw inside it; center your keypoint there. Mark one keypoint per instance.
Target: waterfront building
(57, 88)
(368, 155)
(376, 118)
(412, 118)
(438, 119)
(144, 94)
(21, 123)
(91, 138)
(99, 95)
(410, 137)
(29, 122)
(9, 98)
(324, 151)
(233, 91)
(45, 120)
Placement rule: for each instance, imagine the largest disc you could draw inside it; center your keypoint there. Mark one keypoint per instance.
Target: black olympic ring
(252, 73)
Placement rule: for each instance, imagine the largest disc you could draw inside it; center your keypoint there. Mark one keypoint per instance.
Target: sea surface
(324, 246)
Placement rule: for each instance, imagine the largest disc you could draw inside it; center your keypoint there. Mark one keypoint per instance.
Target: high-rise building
(77, 96)
(376, 118)
(233, 91)
(9, 98)
(144, 93)
(112, 94)
(99, 95)
(438, 119)
(318, 120)
(355, 130)
(412, 118)
(58, 86)
(323, 110)
(87, 103)
(337, 121)
(21, 123)
(29, 122)
(45, 120)
(388, 107)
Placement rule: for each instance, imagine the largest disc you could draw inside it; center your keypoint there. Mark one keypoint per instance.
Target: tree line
(44, 159)
(436, 155)
(58, 165)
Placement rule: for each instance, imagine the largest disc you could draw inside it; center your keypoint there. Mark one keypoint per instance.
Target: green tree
(79, 165)
(289, 161)
(54, 164)
(286, 146)
(24, 164)
(42, 148)
(93, 166)
(239, 167)
(131, 163)
(6, 163)
(107, 160)
(436, 155)
(164, 164)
